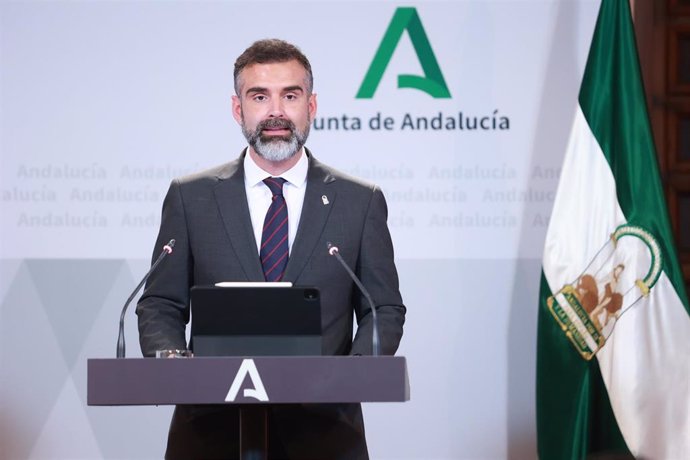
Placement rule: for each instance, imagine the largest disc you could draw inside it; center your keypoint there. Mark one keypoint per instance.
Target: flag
(613, 349)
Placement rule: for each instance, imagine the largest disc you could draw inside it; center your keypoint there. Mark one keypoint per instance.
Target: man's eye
(290, 97)
(259, 98)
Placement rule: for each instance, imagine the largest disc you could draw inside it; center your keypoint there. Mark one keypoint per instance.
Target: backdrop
(103, 103)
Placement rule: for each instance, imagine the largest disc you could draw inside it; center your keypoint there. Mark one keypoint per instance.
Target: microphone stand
(333, 250)
(167, 249)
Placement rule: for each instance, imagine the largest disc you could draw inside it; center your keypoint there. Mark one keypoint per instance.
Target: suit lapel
(315, 212)
(232, 204)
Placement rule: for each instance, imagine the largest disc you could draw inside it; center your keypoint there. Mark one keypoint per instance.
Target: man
(228, 227)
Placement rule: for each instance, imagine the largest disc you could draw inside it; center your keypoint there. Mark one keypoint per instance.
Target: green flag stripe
(612, 100)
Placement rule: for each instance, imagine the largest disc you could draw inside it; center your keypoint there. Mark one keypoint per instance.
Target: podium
(251, 383)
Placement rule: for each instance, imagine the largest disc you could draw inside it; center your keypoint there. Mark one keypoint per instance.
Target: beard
(276, 148)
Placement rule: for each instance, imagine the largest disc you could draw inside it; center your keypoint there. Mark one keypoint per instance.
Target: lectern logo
(432, 82)
(248, 368)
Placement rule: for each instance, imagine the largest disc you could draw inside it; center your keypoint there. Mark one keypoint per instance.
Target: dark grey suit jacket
(208, 215)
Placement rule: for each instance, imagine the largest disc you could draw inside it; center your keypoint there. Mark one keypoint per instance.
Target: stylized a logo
(432, 82)
(258, 392)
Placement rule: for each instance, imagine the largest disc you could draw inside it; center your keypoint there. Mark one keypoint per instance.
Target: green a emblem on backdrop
(431, 83)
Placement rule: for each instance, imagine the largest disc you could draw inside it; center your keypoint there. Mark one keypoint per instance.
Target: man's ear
(312, 106)
(237, 109)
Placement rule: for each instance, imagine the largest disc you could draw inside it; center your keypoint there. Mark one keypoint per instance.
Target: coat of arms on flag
(587, 309)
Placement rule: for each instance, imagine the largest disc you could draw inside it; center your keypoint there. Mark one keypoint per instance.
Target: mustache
(275, 123)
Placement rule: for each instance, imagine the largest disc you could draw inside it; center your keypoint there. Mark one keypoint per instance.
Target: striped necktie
(274, 237)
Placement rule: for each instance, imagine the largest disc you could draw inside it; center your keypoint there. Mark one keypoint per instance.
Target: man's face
(274, 108)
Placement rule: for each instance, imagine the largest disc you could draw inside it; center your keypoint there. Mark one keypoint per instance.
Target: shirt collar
(297, 175)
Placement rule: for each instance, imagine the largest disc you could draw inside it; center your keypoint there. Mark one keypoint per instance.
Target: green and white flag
(613, 364)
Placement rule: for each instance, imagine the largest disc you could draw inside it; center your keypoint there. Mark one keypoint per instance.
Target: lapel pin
(324, 198)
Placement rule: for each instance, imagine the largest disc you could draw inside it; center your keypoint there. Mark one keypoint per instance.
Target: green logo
(431, 83)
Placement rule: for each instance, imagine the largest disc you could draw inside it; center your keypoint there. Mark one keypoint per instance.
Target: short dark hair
(269, 51)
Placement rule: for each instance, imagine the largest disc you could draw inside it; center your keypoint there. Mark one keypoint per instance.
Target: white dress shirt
(259, 195)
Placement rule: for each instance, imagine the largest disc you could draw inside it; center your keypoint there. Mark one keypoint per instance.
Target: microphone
(167, 249)
(333, 250)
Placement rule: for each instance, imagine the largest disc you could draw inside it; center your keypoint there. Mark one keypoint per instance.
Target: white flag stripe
(585, 210)
(645, 365)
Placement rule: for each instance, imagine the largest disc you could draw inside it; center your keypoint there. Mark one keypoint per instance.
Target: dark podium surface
(286, 379)
(251, 383)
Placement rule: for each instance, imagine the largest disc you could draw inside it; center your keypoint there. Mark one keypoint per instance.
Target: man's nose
(276, 109)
